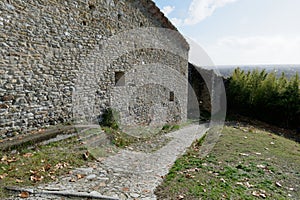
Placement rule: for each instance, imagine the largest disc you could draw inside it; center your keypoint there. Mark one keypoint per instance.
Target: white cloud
(201, 9)
(167, 10)
(177, 22)
(255, 50)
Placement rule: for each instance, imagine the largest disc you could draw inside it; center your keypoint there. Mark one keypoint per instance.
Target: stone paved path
(128, 174)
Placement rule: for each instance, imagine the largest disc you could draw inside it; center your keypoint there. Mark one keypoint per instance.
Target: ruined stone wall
(58, 62)
(199, 80)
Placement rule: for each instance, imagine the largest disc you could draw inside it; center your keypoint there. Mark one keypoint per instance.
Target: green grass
(246, 163)
(167, 128)
(26, 167)
(121, 139)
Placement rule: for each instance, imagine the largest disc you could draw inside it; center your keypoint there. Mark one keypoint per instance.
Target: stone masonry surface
(59, 59)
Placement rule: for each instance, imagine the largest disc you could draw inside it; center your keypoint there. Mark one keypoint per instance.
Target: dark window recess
(84, 23)
(119, 16)
(92, 7)
(119, 79)
(172, 96)
(141, 24)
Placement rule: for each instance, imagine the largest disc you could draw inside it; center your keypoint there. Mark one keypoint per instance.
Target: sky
(240, 32)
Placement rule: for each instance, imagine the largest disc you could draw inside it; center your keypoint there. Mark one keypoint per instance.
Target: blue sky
(238, 32)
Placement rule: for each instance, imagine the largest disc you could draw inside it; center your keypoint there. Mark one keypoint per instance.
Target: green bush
(110, 119)
(264, 96)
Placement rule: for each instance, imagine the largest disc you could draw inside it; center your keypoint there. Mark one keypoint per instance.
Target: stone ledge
(92, 195)
(31, 139)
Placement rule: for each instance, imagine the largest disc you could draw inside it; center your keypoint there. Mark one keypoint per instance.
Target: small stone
(278, 184)
(103, 178)
(261, 166)
(9, 6)
(134, 195)
(95, 193)
(263, 195)
(10, 134)
(84, 171)
(91, 177)
(14, 152)
(102, 184)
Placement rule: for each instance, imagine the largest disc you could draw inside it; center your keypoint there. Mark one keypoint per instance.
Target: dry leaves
(36, 178)
(61, 166)
(24, 195)
(19, 181)
(246, 184)
(47, 167)
(4, 158)
(80, 176)
(260, 193)
(3, 176)
(189, 176)
(8, 160)
(27, 155)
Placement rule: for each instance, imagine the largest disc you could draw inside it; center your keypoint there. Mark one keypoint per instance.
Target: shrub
(110, 119)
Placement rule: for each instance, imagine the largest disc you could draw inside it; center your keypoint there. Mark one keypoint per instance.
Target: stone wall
(59, 59)
(199, 80)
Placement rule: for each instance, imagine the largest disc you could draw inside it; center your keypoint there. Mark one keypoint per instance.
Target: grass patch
(119, 138)
(167, 128)
(44, 163)
(246, 163)
(122, 139)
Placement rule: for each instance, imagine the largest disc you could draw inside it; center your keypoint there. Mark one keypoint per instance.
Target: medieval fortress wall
(66, 60)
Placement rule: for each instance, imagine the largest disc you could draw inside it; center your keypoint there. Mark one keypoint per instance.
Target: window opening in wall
(119, 16)
(172, 96)
(92, 7)
(119, 79)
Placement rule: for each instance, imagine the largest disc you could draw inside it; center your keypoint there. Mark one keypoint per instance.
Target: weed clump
(167, 128)
(110, 119)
